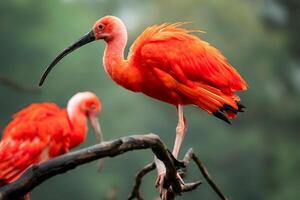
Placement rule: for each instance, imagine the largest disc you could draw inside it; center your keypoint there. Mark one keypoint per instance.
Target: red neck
(114, 54)
(79, 124)
(118, 68)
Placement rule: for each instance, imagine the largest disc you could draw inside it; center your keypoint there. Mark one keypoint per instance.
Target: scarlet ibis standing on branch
(43, 130)
(168, 63)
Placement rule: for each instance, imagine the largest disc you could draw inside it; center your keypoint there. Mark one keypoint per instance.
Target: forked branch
(37, 174)
(190, 155)
(135, 193)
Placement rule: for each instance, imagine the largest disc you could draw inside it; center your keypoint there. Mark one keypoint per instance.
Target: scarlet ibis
(44, 130)
(168, 63)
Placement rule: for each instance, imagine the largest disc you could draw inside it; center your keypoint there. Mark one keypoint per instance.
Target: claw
(165, 192)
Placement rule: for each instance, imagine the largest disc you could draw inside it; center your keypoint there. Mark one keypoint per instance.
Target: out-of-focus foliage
(257, 157)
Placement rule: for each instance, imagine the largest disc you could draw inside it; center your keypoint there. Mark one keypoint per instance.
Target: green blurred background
(257, 157)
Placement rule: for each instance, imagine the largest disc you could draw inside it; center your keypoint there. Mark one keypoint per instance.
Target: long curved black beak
(87, 38)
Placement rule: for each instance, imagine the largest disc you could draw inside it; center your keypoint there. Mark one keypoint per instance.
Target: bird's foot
(165, 192)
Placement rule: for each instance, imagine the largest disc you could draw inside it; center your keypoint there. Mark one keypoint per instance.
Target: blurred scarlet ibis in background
(170, 64)
(43, 130)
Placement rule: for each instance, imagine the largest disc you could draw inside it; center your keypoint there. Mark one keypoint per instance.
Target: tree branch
(37, 174)
(135, 193)
(190, 155)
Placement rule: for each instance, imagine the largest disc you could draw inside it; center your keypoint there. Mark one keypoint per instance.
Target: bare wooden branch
(37, 174)
(186, 187)
(191, 155)
(135, 193)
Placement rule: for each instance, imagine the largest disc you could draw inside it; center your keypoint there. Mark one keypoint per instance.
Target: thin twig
(37, 174)
(191, 155)
(135, 193)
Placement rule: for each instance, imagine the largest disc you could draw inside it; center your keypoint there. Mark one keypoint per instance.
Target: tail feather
(230, 111)
(227, 107)
(221, 116)
(240, 107)
(215, 102)
(220, 105)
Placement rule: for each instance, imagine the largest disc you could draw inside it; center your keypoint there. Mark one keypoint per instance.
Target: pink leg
(180, 131)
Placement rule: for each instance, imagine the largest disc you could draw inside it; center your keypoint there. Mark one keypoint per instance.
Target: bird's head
(89, 105)
(107, 28)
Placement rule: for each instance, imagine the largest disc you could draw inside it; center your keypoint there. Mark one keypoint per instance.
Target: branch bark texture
(37, 174)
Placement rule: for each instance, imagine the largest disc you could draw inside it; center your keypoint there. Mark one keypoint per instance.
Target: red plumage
(180, 68)
(170, 64)
(42, 131)
(38, 132)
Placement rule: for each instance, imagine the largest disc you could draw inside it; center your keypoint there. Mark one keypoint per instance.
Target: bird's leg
(159, 166)
(180, 131)
(161, 170)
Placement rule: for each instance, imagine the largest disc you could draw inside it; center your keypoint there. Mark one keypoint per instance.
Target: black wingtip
(230, 108)
(221, 112)
(221, 116)
(240, 107)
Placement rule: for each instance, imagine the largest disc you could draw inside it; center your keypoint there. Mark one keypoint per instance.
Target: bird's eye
(93, 107)
(101, 26)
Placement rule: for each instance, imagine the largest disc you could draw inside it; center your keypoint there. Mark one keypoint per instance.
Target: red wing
(185, 57)
(35, 112)
(35, 134)
(17, 155)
